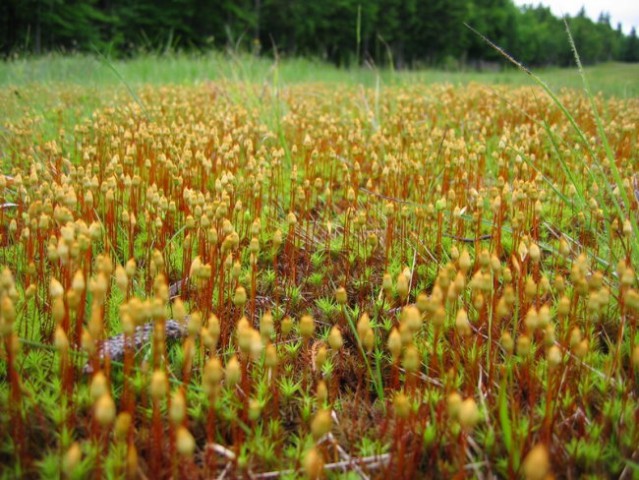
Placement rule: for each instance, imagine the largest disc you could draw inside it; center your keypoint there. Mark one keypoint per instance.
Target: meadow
(225, 267)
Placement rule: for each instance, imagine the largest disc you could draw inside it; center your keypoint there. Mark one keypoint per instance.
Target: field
(228, 268)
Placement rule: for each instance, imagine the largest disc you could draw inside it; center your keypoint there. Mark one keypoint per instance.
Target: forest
(398, 33)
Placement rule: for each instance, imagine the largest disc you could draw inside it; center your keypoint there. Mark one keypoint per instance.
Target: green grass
(52, 84)
(621, 80)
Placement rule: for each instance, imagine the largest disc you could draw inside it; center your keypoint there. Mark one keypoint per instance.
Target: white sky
(624, 11)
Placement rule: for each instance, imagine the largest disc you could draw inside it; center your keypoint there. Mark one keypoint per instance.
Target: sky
(624, 11)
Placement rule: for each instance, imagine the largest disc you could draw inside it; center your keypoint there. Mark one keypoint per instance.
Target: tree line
(406, 33)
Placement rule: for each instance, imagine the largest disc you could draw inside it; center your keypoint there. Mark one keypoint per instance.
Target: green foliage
(399, 33)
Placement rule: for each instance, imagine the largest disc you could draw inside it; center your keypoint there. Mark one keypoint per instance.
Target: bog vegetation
(264, 281)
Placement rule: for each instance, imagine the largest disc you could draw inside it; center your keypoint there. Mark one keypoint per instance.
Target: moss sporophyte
(248, 281)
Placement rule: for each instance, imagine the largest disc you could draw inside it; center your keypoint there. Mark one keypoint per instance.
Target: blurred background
(397, 33)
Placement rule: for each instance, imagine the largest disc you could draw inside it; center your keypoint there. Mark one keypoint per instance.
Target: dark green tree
(439, 31)
(409, 33)
(541, 37)
(631, 47)
(497, 21)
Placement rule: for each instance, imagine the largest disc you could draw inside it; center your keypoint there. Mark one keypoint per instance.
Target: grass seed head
(313, 464)
(177, 411)
(484, 259)
(256, 346)
(73, 299)
(549, 335)
(453, 403)
(478, 301)
(320, 357)
(179, 310)
(523, 345)
(335, 339)
(104, 410)
(412, 360)
(422, 303)
(530, 288)
(121, 278)
(563, 308)
(277, 240)
(464, 261)
(363, 325)
(581, 349)
(468, 414)
(631, 298)
(543, 316)
(459, 283)
(213, 325)
(56, 290)
(321, 393)
(340, 296)
(159, 386)
(57, 308)
(122, 425)
(395, 343)
(635, 357)
(286, 326)
(78, 284)
(369, 340)
(322, 424)
(270, 356)
(254, 409)
(184, 442)
(60, 340)
(462, 324)
(401, 405)
(554, 357)
(534, 253)
(307, 326)
(86, 342)
(405, 333)
(536, 465)
(507, 343)
(243, 332)
(194, 324)
(240, 296)
(267, 326)
(412, 318)
(628, 277)
(387, 284)
(439, 317)
(233, 372)
(71, 460)
(99, 386)
(532, 319)
(502, 311)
